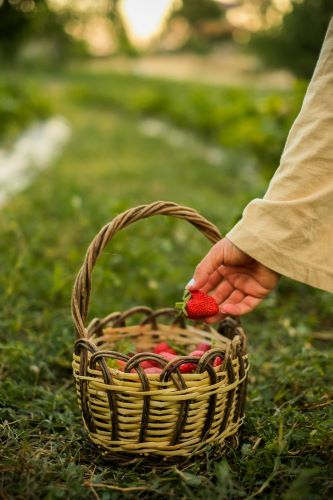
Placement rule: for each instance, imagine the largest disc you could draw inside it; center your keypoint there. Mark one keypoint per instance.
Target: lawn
(108, 166)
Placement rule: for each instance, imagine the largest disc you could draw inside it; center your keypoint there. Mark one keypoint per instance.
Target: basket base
(213, 452)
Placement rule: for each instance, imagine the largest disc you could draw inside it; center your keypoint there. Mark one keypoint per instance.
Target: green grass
(108, 166)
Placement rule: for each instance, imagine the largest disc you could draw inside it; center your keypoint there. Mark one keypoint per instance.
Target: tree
(22, 21)
(295, 45)
(123, 41)
(205, 19)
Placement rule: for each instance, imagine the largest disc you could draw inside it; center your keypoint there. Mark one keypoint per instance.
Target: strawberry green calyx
(182, 305)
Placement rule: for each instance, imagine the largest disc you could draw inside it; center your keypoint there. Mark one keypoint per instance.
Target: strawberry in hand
(198, 305)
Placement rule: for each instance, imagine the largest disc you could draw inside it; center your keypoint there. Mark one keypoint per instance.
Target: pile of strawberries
(195, 305)
(168, 353)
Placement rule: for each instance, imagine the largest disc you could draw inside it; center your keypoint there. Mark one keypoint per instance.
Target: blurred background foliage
(36, 34)
(36, 24)
(253, 122)
(295, 43)
(277, 30)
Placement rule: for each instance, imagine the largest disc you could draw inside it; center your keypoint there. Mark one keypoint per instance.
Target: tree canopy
(296, 43)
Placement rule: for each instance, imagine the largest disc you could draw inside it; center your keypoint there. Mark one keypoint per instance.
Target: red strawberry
(121, 364)
(163, 347)
(198, 305)
(196, 353)
(167, 355)
(153, 369)
(217, 361)
(190, 367)
(187, 368)
(203, 347)
(147, 364)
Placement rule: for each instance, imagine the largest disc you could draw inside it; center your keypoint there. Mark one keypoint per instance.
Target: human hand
(237, 282)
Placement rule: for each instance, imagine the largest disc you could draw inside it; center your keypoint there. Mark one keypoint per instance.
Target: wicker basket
(172, 415)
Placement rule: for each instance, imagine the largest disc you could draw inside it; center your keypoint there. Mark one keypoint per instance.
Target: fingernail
(190, 283)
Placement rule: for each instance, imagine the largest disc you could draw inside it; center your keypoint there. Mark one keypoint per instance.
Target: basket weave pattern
(172, 414)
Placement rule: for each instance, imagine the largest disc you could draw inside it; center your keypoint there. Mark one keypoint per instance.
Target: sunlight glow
(144, 19)
(248, 14)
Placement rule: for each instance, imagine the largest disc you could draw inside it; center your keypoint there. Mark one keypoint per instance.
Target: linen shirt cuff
(266, 253)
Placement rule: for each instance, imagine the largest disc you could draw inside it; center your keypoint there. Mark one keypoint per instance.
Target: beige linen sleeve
(290, 230)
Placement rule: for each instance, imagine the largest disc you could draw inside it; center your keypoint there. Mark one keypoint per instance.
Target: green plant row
(255, 122)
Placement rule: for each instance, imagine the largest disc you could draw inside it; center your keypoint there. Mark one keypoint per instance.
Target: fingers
(249, 280)
(234, 297)
(243, 307)
(223, 291)
(215, 319)
(244, 281)
(236, 304)
(213, 282)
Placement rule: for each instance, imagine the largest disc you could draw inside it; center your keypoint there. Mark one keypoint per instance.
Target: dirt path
(226, 66)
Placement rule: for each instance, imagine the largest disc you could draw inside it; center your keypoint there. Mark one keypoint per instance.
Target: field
(114, 161)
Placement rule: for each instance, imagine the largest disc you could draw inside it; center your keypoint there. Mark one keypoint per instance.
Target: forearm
(290, 229)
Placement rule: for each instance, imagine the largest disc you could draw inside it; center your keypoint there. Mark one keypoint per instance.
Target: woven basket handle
(82, 285)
